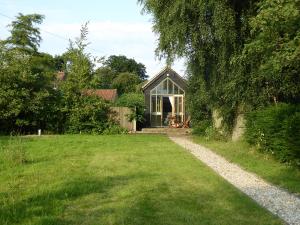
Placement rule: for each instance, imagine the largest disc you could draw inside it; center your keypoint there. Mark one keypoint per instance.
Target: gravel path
(276, 200)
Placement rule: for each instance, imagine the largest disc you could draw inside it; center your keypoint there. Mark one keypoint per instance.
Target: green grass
(130, 179)
(252, 160)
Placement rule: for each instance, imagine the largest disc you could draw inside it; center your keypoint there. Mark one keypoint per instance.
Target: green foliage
(207, 130)
(136, 102)
(276, 130)
(120, 64)
(126, 82)
(113, 129)
(200, 127)
(119, 72)
(103, 78)
(27, 97)
(79, 66)
(136, 179)
(271, 56)
(88, 115)
(24, 35)
(30, 98)
(208, 33)
(240, 54)
(83, 114)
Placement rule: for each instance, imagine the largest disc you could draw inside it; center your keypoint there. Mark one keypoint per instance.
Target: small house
(165, 99)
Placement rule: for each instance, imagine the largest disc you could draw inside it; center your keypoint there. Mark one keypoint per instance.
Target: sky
(116, 27)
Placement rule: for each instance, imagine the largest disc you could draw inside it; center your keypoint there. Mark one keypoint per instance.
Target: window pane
(180, 104)
(175, 89)
(170, 87)
(160, 89)
(153, 102)
(158, 104)
(181, 92)
(153, 92)
(176, 105)
(165, 86)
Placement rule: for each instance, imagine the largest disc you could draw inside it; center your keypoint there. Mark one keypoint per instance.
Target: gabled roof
(106, 94)
(162, 72)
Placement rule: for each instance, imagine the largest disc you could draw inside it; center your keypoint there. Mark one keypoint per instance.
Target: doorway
(167, 110)
(165, 106)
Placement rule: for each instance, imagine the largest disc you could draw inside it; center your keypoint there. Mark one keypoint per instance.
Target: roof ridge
(158, 74)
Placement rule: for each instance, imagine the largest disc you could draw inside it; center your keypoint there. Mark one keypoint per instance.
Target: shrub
(276, 130)
(90, 114)
(114, 129)
(200, 127)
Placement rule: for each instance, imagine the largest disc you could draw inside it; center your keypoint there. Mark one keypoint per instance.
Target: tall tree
(209, 34)
(27, 98)
(120, 64)
(24, 34)
(103, 77)
(79, 64)
(272, 54)
(126, 82)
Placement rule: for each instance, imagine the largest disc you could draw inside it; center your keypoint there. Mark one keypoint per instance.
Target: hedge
(276, 130)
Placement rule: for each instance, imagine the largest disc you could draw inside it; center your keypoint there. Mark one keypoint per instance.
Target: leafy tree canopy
(24, 34)
(78, 63)
(126, 82)
(238, 52)
(27, 98)
(120, 64)
(272, 53)
(103, 77)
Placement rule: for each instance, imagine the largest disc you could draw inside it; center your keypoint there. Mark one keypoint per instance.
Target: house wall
(173, 76)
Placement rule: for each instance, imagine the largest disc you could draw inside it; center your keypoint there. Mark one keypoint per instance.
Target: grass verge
(122, 179)
(249, 158)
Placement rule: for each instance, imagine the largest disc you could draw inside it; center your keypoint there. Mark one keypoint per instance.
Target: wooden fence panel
(120, 114)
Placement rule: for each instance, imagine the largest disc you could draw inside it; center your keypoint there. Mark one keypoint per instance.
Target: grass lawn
(252, 160)
(129, 179)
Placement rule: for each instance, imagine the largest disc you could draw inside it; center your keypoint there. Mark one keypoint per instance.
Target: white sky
(116, 27)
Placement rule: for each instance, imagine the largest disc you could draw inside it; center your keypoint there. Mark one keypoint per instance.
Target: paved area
(276, 200)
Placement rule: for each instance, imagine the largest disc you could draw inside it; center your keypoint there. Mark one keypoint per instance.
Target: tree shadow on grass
(161, 207)
(78, 202)
(160, 204)
(47, 208)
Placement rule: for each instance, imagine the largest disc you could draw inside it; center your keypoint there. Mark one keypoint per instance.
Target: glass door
(156, 111)
(166, 103)
(178, 111)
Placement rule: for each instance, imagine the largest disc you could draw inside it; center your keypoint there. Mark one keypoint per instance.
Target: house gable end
(164, 74)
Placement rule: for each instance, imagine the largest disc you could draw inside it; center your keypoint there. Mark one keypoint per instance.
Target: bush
(276, 130)
(114, 129)
(200, 127)
(90, 114)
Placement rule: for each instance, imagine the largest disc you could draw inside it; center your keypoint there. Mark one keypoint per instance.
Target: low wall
(120, 114)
